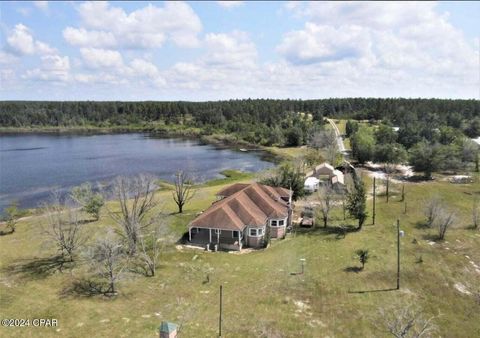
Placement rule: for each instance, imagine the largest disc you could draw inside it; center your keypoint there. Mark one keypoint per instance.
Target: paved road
(341, 146)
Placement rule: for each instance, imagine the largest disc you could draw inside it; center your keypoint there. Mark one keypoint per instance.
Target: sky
(198, 51)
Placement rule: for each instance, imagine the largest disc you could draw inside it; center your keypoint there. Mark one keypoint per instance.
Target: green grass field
(261, 296)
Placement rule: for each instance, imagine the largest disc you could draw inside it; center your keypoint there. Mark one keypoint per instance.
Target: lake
(32, 165)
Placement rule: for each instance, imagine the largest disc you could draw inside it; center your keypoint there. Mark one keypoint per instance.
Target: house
(324, 169)
(336, 177)
(243, 216)
(311, 184)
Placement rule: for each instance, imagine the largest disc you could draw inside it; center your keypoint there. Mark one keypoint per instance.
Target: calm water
(31, 166)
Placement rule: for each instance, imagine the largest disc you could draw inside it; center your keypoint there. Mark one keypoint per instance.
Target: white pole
(190, 234)
(210, 234)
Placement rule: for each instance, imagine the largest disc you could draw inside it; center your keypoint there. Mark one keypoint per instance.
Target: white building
(311, 184)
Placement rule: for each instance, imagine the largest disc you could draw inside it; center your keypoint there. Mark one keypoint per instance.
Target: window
(234, 234)
(256, 232)
(277, 222)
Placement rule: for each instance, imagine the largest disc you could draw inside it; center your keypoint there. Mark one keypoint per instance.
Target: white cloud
(43, 48)
(21, 42)
(405, 49)
(53, 68)
(230, 61)
(230, 49)
(149, 27)
(101, 58)
(323, 43)
(7, 58)
(83, 38)
(230, 4)
(42, 5)
(140, 67)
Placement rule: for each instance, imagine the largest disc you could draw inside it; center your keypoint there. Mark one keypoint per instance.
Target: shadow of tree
(422, 225)
(376, 290)
(340, 232)
(432, 237)
(84, 287)
(86, 221)
(38, 268)
(355, 269)
(4, 233)
(471, 227)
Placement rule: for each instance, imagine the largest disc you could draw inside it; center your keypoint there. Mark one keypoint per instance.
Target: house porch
(224, 239)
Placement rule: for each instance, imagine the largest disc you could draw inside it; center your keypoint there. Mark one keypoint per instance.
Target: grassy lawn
(261, 296)
(287, 153)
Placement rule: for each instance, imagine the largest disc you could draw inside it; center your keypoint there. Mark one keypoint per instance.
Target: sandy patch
(316, 322)
(461, 288)
(302, 307)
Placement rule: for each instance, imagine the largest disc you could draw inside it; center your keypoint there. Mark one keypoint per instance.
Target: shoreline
(219, 140)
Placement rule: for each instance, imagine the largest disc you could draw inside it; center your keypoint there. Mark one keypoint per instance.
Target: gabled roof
(234, 188)
(338, 177)
(245, 204)
(231, 189)
(324, 169)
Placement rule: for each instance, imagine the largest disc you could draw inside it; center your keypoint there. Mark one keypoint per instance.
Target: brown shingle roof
(251, 205)
(231, 189)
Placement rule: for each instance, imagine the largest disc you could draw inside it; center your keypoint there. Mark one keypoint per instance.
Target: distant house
(327, 172)
(242, 217)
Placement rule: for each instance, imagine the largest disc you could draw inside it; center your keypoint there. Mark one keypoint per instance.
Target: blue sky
(217, 50)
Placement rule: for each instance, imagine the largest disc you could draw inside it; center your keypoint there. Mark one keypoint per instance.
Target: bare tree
(63, 228)
(476, 213)
(108, 261)
(136, 197)
(444, 221)
(183, 189)
(327, 140)
(405, 322)
(151, 245)
(432, 207)
(326, 196)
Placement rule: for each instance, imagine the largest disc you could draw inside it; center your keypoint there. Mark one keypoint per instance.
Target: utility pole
(220, 317)
(374, 193)
(388, 181)
(398, 254)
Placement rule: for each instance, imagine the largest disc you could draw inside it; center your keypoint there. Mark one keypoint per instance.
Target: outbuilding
(311, 184)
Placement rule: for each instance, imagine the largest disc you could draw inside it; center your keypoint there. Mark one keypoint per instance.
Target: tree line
(260, 121)
(425, 147)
